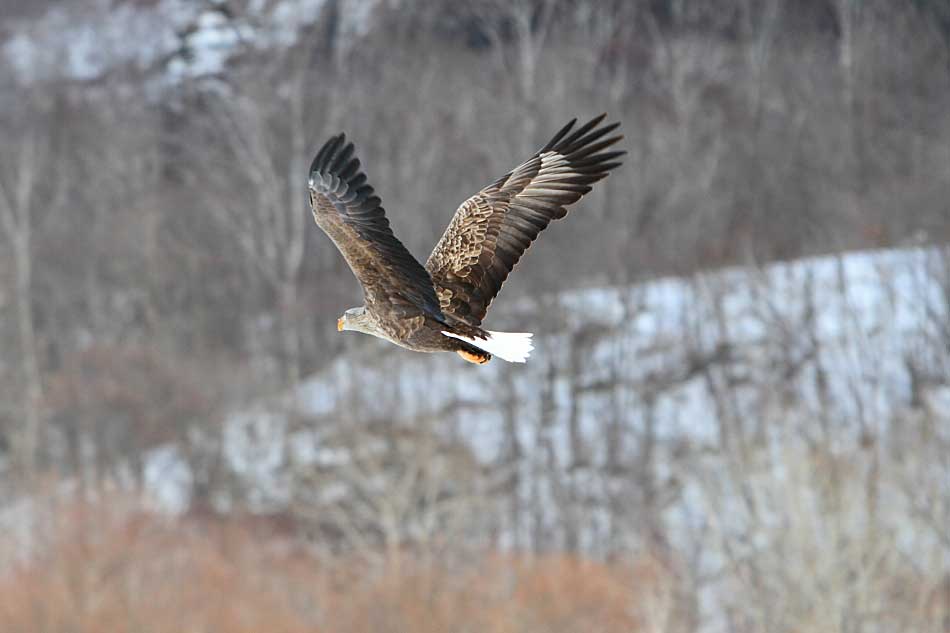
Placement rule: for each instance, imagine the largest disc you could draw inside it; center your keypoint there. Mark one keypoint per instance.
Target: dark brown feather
(346, 209)
(492, 229)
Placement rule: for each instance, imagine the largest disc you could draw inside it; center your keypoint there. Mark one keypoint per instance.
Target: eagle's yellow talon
(478, 359)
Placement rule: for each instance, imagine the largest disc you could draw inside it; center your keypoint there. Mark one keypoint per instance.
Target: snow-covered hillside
(168, 39)
(854, 339)
(856, 319)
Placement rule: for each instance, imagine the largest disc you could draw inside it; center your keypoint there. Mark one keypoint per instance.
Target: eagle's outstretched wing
(493, 228)
(345, 207)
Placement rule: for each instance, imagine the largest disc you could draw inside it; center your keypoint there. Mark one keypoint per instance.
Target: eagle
(439, 307)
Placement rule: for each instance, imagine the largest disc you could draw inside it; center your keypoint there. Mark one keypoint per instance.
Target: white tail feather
(514, 347)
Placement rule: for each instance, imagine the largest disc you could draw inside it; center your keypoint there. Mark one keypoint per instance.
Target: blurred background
(737, 417)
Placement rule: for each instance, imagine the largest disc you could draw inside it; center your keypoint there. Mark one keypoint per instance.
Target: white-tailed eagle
(439, 307)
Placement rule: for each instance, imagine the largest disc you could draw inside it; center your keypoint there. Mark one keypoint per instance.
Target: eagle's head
(354, 319)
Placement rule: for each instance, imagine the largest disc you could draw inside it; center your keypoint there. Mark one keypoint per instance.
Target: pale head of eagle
(356, 319)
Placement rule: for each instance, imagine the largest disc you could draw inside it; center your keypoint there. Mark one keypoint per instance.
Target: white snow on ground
(167, 478)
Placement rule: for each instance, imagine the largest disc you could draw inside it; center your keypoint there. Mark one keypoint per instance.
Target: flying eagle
(439, 307)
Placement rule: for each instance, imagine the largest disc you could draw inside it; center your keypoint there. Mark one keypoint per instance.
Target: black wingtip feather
(592, 148)
(598, 133)
(326, 153)
(336, 158)
(560, 134)
(351, 169)
(340, 159)
(598, 159)
(580, 132)
(578, 145)
(315, 165)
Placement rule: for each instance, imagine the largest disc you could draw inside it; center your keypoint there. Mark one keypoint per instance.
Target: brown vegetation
(104, 569)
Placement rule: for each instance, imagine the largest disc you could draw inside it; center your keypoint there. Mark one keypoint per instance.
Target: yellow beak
(339, 324)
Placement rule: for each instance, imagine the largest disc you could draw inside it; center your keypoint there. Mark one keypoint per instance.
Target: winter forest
(736, 417)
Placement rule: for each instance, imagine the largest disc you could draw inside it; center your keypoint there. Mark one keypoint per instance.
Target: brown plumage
(440, 307)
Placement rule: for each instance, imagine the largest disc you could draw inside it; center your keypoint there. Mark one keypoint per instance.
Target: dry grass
(98, 569)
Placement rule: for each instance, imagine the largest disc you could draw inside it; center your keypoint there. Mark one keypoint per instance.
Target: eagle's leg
(477, 357)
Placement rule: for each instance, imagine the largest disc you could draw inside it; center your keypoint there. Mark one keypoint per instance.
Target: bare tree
(257, 185)
(386, 487)
(25, 163)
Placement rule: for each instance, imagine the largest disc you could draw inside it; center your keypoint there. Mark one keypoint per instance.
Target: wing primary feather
(340, 160)
(584, 142)
(335, 144)
(557, 137)
(587, 150)
(554, 189)
(357, 181)
(350, 170)
(596, 159)
(326, 153)
(318, 159)
(581, 131)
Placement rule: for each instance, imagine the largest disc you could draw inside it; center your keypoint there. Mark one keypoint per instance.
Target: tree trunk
(28, 437)
(15, 220)
(848, 14)
(289, 340)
